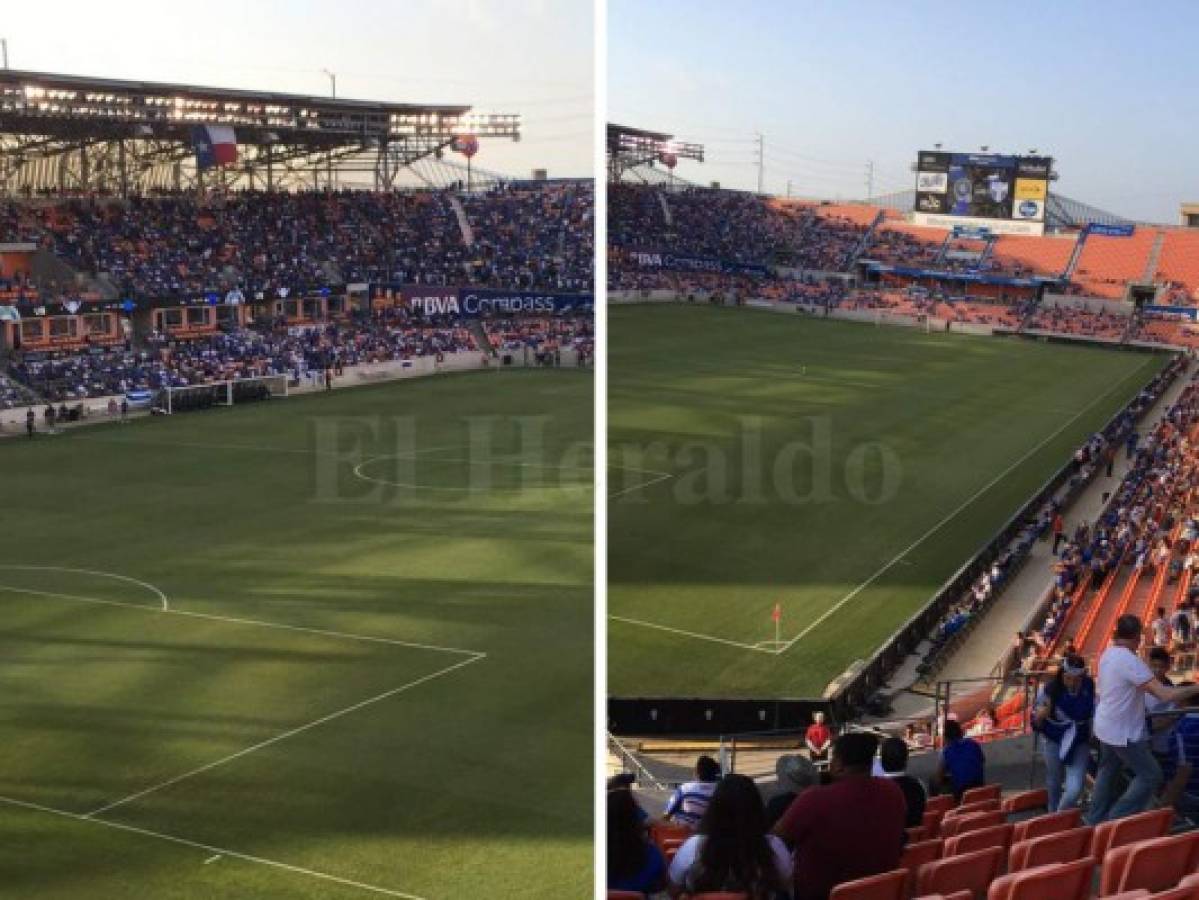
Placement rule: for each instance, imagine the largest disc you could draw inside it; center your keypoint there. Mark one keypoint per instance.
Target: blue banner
(1180, 312)
(971, 277)
(1109, 230)
(473, 302)
(683, 263)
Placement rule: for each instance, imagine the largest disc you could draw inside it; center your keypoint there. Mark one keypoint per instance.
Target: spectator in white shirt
(1120, 725)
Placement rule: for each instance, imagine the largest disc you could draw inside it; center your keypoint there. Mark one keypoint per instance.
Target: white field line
(252, 448)
(149, 587)
(235, 620)
(358, 473)
(690, 634)
(292, 732)
(819, 620)
(661, 476)
(209, 848)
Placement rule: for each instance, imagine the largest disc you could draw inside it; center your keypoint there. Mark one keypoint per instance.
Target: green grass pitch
(907, 451)
(355, 689)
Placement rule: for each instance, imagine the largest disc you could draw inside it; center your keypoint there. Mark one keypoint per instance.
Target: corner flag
(777, 615)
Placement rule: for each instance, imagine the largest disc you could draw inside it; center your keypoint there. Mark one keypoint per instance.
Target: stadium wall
(12, 421)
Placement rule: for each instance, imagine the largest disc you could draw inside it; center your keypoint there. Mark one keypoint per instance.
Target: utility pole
(4, 50)
(761, 160)
(869, 178)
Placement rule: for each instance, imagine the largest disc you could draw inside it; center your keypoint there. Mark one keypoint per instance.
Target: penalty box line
(473, 656)
(211, 849)
(200, 770)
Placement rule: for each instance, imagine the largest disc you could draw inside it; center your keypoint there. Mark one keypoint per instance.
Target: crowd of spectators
(727, 225)
(796, 840)
(1135, 527)
(533, 237)
(1083, 322)
(171, 245)
(273, 350)
(543, 335)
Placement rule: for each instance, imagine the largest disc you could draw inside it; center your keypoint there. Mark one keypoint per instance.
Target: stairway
(1155, 254)
(857, 251)
(665, 209)
(468, 234)
(480, 335)
(1072, 264)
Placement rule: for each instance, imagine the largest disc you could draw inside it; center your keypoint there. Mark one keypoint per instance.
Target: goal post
(191, 397)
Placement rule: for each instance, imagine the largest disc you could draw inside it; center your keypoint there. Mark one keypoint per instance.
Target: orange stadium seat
(1050, 823)
(1179, 260)
(986, 792)
(916, 834)
(1156, 864)
(916, 855)
(972, 872)
(978, 806)
(1061, 881)
(1130, 829)
(972, 822)
(1063, 846)
(887, 886)
(943, 803)
(1025, 801)
(1107, 264)
(980, 839)
(957, 895)
(1039, 255)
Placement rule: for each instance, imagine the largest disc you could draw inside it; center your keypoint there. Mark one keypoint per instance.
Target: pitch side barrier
(710, 717)
(856, 690)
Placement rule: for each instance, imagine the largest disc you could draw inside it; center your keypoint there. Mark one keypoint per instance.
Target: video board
(1004, 193)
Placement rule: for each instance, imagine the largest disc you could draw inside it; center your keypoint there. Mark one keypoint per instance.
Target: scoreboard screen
(1005, 193)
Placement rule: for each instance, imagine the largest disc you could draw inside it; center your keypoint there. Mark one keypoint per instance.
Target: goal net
(220, 393)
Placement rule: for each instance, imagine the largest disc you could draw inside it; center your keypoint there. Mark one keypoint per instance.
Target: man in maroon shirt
(850, 829)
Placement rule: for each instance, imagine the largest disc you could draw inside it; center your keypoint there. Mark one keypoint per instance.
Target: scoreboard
(1006, 194)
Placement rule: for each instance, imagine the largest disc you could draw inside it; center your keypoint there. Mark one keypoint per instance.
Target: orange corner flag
(777, 615)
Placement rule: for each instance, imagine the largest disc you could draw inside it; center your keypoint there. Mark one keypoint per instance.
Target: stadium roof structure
(632, 153)
(1061, 213)
(74, 133)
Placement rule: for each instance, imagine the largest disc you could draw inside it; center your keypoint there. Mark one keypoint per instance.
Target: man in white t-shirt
(1120, 726)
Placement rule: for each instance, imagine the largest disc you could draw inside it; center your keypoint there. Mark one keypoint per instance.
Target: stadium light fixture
(332, 82)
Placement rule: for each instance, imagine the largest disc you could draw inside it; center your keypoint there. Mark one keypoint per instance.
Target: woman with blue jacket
(1062, 716)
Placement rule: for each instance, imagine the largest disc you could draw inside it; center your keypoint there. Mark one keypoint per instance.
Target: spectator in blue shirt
(690, 800)
(963, 765)
(634, 862)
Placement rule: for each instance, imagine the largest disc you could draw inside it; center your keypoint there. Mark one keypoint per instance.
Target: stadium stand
(1107, 264)
(172, 247)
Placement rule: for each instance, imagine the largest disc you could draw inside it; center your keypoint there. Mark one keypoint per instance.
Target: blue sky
(534, 57)
(1109, 89)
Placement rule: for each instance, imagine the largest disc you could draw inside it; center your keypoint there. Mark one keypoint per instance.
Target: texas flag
(216, 145)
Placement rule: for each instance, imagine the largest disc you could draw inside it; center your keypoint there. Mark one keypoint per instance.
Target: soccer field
(842, 471)
(331, 646)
